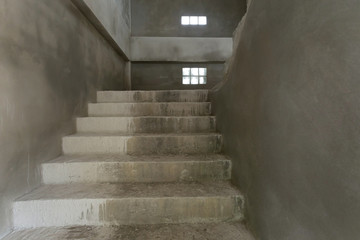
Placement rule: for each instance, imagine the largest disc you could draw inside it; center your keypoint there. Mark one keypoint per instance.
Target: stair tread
(149, 103)
(149, 109)
(153, 96)
(90, 134)
(212, 231)
(111, 158)
(147, 117)
(131, 190)
(156, 91)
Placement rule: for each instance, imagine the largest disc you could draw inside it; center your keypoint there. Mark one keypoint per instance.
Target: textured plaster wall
(158, 36)
(289, 112)
(51, 63)
(114, 18)
(161, 18)
(180, 49)
(168, 76)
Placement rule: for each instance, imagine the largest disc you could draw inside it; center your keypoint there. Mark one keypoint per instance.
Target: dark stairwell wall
(290, 112)
(52, 60)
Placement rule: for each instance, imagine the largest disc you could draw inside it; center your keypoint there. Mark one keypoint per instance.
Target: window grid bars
(194, 76)
(194, 20)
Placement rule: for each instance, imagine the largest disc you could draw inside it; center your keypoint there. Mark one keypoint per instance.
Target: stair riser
(146, 125)
(152, 96)
(149, 109)
(213, 231)
(102, 172)
(46, 213)
(142, 145)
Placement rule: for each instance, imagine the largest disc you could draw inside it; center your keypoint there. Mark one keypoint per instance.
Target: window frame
(194, 75)
(194, 20)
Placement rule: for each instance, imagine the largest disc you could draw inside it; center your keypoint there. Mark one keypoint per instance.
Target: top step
(152, 96)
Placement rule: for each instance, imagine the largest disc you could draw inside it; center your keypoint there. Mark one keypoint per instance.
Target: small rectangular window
(202, 20)
(185, 20)
(194, 20)
(194, 76)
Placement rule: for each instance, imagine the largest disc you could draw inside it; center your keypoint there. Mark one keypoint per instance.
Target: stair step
(210, 231)
(125, 204)
(153, 96)
(116, 169)
(141, 144)
(146, 124)
(149, 109)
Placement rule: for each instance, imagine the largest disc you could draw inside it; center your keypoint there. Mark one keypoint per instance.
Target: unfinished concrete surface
(153, 96)
(168, 75)
(125, 204)
(196, 124)
(142, 143)
(52, 62)
(224, 231)
(149, 109)
(118, 169)
(89, 187)
(112, 19)
(172, 49)
(291, 102)
(161, 46)
(161, 18)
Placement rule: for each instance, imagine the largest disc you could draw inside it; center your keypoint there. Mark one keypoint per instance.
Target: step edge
(28, 201)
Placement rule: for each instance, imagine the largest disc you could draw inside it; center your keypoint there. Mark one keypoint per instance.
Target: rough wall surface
(168, 76)
(52, 61)
(289, 112)
(161, 18)
(180, 49)
(157, 35)
(115, 16)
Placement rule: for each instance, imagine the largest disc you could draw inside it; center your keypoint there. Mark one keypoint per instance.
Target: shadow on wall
(289, 114)
(161, 18)
(52, 63)
(165, 76)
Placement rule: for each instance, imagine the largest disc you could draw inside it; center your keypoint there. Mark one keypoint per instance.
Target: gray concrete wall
(113, 18)
(168, 76)
(52, 62)
(289, 112)
(180, 49)
(157, 35)
(161, 18)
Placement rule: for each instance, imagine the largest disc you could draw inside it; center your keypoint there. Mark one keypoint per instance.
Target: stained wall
(52, 61)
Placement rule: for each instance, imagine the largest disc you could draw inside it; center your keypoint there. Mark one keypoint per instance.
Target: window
(194, 20)
(194, 76)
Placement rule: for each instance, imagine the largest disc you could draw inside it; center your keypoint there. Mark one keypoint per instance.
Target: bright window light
(185, 20)
(202, 72)
(194, 20)
(186, 71)
(202, 20)
(186, 80)
(195, 72)
(202, 80)
(194, 76)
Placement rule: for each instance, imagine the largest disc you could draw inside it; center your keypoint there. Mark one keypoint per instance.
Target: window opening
(194, 76)
(194, 20)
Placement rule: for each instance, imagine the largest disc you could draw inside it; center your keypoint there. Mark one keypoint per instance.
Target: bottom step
(216, 231)
(127, 204)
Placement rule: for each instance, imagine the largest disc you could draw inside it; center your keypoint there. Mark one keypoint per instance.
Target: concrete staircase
(143, 165)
